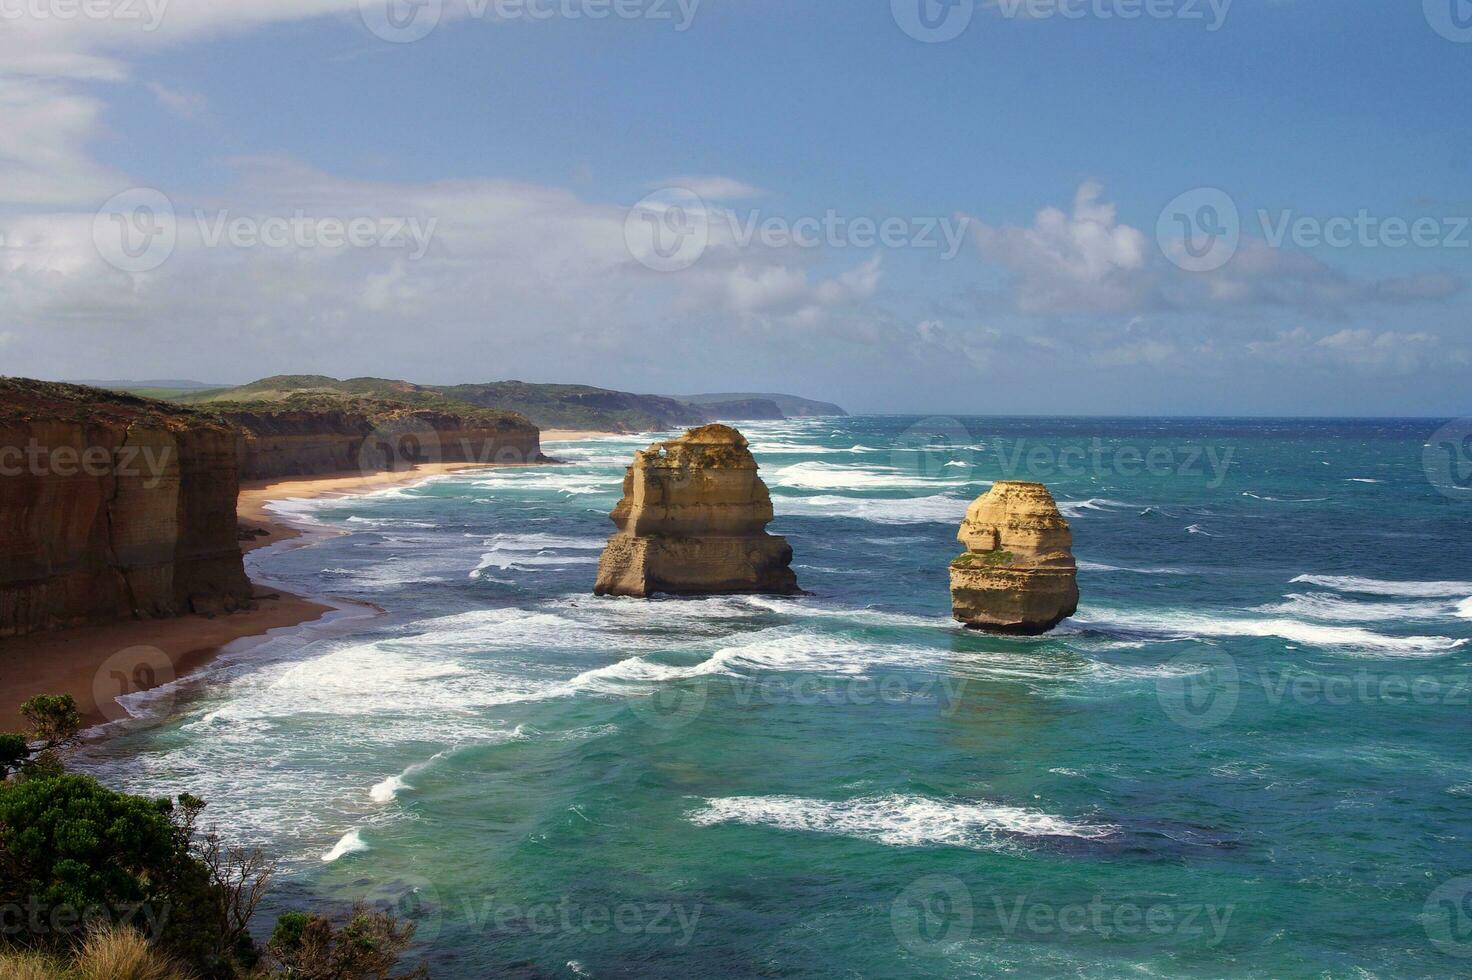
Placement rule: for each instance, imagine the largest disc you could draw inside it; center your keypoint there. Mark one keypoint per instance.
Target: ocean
(1249, 754)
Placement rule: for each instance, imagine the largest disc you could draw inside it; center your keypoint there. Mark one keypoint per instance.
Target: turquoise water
(1247, 755)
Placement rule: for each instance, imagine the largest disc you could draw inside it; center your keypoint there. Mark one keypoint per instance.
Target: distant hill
(745, 408)
(168, 385)
(546, 405)
(792, 406)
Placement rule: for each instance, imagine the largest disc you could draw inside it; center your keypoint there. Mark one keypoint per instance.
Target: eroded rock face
(1018, 574)
(112, 507)
(693, 521)
(291, 439)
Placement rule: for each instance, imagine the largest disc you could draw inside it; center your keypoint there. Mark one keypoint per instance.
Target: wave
(351, 843)
(1073, 509)
(1362, 479)
(827, 476)
(1198, 529)
(1464, 608)
(1195, 625)
(1093, 566)
(1285, 500)
(899, 820)
(1372, 586)
(938, 509)
(1333, 608)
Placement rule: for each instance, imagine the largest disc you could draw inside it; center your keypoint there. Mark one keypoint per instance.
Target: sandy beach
(96, 663)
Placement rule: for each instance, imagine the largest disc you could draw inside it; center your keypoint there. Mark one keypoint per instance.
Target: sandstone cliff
(693, 520)
(1018, 574)
(112, 507)
(308, 435)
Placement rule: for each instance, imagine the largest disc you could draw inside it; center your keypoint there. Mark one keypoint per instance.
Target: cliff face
(692, 521)
(306, 436)
(1018, 574)
(112, 507)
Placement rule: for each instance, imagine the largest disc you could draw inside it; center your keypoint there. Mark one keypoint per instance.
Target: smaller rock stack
(1018, 574)
(692, 521)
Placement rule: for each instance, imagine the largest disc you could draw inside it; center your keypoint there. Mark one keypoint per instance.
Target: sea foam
(898, 820)
(1372, 586)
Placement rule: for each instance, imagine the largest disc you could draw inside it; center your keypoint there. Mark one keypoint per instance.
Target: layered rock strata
(1018, 574)
(693, 521)
(112, 507)
(314, 435)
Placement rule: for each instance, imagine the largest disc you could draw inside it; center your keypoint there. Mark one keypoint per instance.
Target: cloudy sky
(992, 207)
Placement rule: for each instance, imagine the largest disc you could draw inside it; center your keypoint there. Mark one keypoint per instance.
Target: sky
(1113, 207)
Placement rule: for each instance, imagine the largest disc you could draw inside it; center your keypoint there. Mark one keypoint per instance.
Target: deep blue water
(1250, 754)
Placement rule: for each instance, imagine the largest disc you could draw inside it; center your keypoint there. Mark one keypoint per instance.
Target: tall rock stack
(693, 521)
(1018, 574)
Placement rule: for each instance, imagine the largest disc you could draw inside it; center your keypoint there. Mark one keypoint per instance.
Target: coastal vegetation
(550, 406)
(101, 885)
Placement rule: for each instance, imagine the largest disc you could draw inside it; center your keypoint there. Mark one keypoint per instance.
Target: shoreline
(97, 663)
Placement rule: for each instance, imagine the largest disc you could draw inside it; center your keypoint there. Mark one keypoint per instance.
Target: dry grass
(108, 954)
(29, 966)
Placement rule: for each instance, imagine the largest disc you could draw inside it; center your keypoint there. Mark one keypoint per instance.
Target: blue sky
(518, 153)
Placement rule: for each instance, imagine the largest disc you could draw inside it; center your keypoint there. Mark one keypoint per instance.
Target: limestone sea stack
(693, 521)
(1018, 574)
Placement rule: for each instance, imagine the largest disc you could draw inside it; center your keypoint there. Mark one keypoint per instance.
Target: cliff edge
(112, 507)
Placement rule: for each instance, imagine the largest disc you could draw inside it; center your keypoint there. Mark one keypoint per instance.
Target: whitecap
(1371, 586)
(1333, 608)
(898, 820)
(827, 476)
(1188, 625)
(1073, 509)
(1285, 500)
(388, 790)
(938, 509)
(1198, 529)
(1094, 566)
(1362, 479)
(351, 843)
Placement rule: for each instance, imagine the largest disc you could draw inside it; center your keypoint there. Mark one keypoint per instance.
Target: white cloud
(1365, 350)
(711, 188)
(185, 105)
(1086, 261)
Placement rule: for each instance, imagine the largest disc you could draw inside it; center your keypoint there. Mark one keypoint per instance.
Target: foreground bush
(100, 885)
